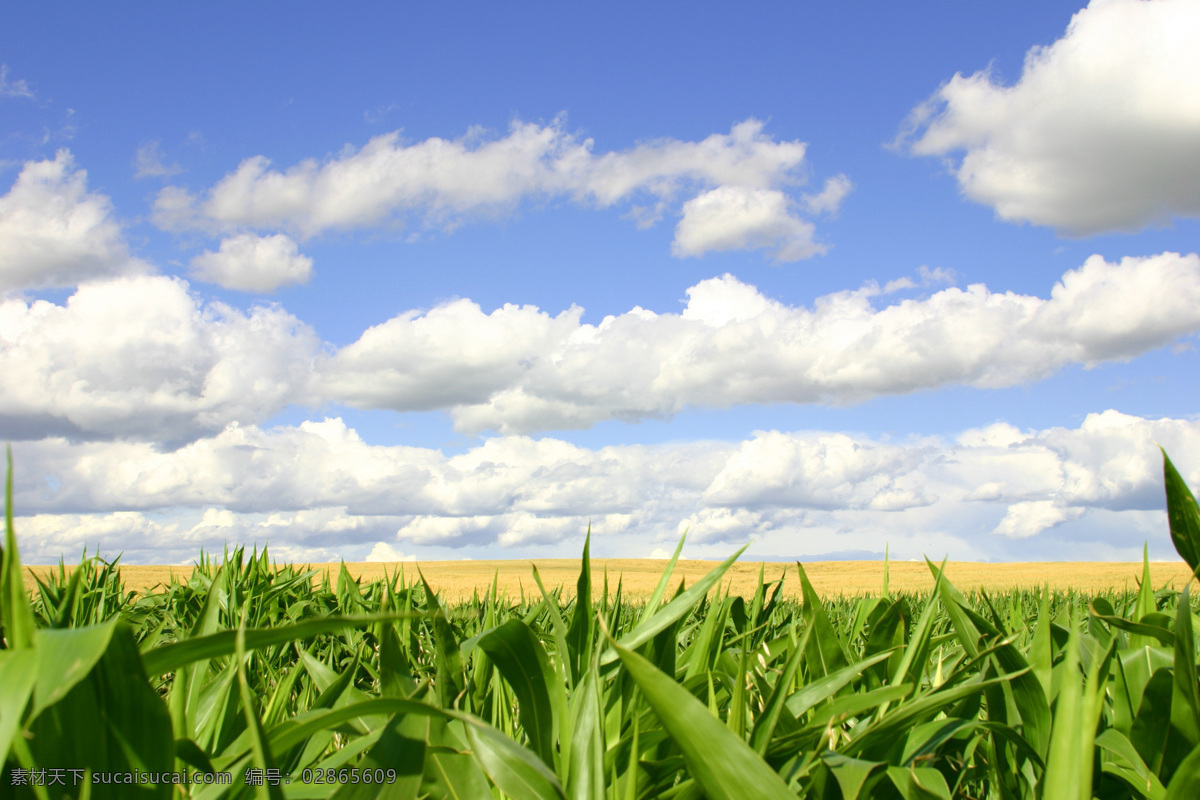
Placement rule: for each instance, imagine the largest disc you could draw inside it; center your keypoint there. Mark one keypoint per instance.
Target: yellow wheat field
(458, 580)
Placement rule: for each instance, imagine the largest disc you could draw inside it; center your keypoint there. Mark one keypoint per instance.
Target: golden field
(458, 580)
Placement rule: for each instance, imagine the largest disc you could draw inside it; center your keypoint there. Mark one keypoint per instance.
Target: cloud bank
(1101, 132)
(141, 358)
(440, 184)
(318, 491)
(519, 370)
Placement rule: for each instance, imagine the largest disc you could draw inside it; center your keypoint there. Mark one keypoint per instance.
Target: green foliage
(380, 691)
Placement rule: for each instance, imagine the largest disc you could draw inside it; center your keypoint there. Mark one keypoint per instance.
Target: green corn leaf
(558, 624)
(1145, 600)
(1126, 763)
(66, 657)
(1063, 778)
(1183, 515)
(828, 686)
(18, 674)
(857, 704)
(672, 612)
(892, 728)
(401, 747)
(262, 757)
(916, 653)
(888, 633)
(664, 581)
(764, 726)
(15, 614)
(515, 771)
(1153, 721)
(919, 783)
(923, 740)
(852, 774)
(1028, 693)
(111, 720)
(1141, 632)
(824, 655)
(447, 659)
(586, 780)
(722, 764)
(1185, 785)
(451, 771)
(701, 651)
(1041, 655)
(522, 661)
(953, 601)
(1184, 735)
(170, 657)
(579, 635)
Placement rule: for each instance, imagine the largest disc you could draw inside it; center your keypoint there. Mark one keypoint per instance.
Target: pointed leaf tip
(1183, 515)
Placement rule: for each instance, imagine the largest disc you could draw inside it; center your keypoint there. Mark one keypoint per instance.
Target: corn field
(251, 680)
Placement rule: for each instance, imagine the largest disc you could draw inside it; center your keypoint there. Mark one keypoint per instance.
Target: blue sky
(455, 283)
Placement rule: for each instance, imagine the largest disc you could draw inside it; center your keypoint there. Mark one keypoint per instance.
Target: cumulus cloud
(251, 263)
(317, 491)
(384, 552)
(1101, 132)
(439, 183)
(53, 232)
(1031, 517)
(826, 471)
(743, 218)
(139, 357)
(519, 370)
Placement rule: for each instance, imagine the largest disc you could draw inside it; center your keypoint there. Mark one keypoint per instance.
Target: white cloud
(53, 232)
(317, 492)
(1101, 133)
(721, 524)
(518, 370)
(441, 183)
(743, 218)
(140, 357)
(439, 358)
(818, 471)
(831, 196)
(148, 162)
(384, 552)
(1034, 516)
(251, 263)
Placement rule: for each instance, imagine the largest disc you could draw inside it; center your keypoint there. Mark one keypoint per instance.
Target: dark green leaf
(522, 661)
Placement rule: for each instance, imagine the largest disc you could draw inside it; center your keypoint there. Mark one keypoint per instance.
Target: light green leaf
(722, 764)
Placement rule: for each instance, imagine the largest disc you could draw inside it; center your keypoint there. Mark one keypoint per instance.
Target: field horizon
(459, 580)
